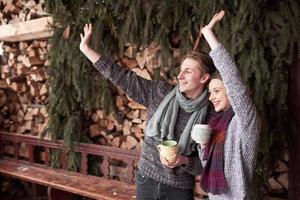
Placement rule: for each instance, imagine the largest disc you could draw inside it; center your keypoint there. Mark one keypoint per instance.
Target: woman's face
(218, 95)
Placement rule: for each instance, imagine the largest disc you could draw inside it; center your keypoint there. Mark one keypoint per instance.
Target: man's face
(191, 79)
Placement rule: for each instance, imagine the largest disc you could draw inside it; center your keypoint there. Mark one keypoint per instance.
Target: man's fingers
(81, 36)
(86, 27)
(163, 160)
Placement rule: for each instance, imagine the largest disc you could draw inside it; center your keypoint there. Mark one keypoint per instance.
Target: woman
(229, 157)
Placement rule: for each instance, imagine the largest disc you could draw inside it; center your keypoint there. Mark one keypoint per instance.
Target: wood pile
(23, 69)
(125, 128)
(25, 73)
(14, 11)
(278, 182)
(23, 87)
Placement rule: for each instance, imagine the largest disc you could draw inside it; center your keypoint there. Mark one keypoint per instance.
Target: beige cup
(201, 133)
(168, 149)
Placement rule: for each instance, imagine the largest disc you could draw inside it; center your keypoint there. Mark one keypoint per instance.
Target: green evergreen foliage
(74, 160)
(261, 35)
(55, 158)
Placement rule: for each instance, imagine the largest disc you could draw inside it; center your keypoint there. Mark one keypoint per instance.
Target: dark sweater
(150, 93)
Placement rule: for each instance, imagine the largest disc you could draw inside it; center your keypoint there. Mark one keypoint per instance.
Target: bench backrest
(128, 157)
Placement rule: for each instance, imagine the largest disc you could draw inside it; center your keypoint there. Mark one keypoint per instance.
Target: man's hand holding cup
(169, 156)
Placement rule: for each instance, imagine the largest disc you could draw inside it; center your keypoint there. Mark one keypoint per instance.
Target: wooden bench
(62, 183)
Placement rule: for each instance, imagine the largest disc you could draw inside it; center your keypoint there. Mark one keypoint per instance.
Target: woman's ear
(205, 78)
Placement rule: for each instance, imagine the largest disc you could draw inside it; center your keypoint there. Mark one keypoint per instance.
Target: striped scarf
(213, 178)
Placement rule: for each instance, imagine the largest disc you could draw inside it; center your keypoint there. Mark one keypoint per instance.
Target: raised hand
(91, 54)
(216, 18)
(85, 39)
(207, 30)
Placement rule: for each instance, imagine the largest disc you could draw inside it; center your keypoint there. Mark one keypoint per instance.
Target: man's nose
(179, 76)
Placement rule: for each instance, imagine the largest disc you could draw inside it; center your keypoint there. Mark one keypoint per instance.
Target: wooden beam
(27, 30)
(294, 127)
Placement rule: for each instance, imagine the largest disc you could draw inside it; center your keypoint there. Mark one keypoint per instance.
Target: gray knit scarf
(162, 123)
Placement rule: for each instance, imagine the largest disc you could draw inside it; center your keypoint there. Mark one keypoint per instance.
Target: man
(172, 112)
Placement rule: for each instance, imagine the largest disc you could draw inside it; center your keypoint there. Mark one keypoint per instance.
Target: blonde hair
(205, 62)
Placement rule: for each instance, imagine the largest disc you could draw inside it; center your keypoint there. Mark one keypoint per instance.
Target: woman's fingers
(217, 17)
(220, 15)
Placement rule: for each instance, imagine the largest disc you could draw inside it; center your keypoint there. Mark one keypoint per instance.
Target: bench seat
(84, 185)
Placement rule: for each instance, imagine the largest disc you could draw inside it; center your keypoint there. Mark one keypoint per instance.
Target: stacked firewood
(125, 128)
(14, 11)
(23, 87)
(278, 181)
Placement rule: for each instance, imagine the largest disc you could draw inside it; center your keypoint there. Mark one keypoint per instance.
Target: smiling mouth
(216, 103)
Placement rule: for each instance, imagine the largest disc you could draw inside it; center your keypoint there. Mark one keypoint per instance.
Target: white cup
(201, 133)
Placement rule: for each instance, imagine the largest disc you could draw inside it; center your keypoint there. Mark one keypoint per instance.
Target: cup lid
(203, 126)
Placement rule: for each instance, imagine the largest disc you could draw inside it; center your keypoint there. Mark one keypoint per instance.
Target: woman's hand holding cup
(201, 134)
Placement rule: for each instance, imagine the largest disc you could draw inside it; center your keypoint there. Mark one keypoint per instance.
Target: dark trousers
(149, 189)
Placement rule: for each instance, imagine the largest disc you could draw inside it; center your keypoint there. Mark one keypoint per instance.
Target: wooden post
(84, 163)
(294, 126)
(31, 153)
(1, 147)
(64, 158)
(47, 152)
(130, 172)
(105, 167)
(16, 150)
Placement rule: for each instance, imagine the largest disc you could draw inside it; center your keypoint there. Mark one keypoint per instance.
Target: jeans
(149, 189)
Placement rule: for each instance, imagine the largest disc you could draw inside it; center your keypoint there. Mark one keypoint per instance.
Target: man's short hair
(204, 60)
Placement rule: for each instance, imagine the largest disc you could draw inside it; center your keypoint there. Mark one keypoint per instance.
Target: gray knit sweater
(150, 94)
(242, 135)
